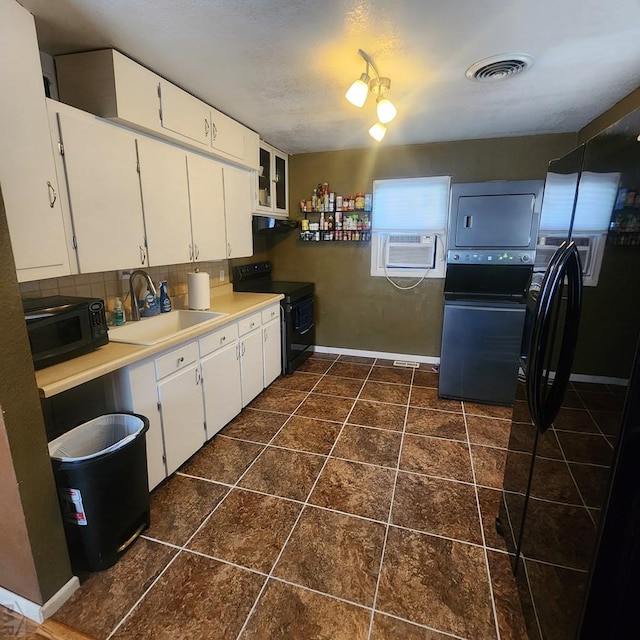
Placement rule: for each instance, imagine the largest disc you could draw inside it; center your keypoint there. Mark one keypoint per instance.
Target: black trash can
(100, 469)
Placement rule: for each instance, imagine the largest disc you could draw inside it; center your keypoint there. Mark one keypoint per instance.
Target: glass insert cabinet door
(264, 179)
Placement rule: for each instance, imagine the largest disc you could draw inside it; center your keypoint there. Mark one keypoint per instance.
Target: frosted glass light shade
(377, 131)
(357, 92)
(385, 110)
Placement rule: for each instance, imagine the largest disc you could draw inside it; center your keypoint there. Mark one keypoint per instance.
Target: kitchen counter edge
(115, 355)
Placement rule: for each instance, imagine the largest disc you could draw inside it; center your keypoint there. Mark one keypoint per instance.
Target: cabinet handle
(52, 194)
(253, 324)
(197, 252)
(143, 254)
(223, 339)
(180, 361)
(237, 352)
(198, 377)
(244, 349)
(190, 252)
(265, 335)
(206, 127)
(228, 249)
(214, 131)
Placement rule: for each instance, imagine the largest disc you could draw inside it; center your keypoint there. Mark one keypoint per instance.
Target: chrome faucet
(135, 309)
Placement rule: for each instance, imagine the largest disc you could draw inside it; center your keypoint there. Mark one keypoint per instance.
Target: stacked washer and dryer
(493, 229)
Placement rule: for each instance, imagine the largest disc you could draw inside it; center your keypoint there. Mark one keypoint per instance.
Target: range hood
(264, 224)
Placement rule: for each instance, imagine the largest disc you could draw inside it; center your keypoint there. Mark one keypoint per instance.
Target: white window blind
(411, 204)
(596, 196)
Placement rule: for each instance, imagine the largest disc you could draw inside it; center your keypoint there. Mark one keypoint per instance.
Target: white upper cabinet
(165, 201)
(182, 113)
(27, 169)
(272, 183)
(237, 206)
(206, 200)
(104, 193)
(111, 85)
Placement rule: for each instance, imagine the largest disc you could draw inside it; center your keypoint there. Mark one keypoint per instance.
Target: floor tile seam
(144, 594)
(190, 475)
(419, 625)
(470, 414)
(483, 537)
(478, 545)
(532, 599)
(367, 464)
(586, 464)
(435, 477)
(367, 426)
(557, 565)
(390, 512)
(221, 560)
(279, 446)
(560, 503)
(598, 433)
(575, 482)
(295, 524)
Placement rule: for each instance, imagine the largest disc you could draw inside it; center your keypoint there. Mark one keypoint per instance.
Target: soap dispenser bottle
(165, 300)
(118, 313)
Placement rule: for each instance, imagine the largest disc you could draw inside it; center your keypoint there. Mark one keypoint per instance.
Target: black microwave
(63, 327)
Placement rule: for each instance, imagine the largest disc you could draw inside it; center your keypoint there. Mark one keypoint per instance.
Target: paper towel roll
(198, 286)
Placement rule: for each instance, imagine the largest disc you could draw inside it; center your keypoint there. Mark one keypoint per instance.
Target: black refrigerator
(570, 513)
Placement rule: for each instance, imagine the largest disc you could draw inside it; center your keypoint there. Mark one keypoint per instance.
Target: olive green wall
(354, 309)
(33, 555)
(617, 111)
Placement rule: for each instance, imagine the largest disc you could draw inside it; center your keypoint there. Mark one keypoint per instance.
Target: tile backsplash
(108, 286)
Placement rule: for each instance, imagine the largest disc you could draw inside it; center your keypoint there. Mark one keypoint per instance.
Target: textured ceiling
(282, 66)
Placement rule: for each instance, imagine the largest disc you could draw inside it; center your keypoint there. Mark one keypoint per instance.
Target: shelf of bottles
(624, 228)
(335, 218)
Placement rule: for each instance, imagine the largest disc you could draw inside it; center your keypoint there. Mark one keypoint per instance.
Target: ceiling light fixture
(357, 96)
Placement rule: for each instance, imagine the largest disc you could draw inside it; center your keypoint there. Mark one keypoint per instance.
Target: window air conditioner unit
(586, 245)
(410, 251)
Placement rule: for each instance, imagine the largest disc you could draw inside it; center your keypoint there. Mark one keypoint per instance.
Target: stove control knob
(524, 258)
(456, 257)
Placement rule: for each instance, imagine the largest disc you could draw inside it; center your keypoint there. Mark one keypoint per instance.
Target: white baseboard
(377, 354)
(34, 611)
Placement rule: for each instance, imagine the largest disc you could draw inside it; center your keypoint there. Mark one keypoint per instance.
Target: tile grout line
(481, 523)
(389, 517)
(306, 503)
(199, 528)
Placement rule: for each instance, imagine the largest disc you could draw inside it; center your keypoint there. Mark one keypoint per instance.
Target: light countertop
(115, 355)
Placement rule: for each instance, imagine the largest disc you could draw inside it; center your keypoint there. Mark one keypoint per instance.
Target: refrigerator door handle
(545, 399)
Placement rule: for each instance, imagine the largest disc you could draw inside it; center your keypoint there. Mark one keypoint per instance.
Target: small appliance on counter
(296, 310)
(63, 327)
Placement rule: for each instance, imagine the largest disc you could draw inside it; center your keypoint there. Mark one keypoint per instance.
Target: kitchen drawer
(176, 360)
(217, 339)
(245, 325)
(270, 313)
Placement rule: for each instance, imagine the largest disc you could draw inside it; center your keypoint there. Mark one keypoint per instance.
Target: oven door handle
(313, 324)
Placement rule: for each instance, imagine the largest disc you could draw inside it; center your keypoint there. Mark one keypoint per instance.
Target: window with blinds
(409, 226)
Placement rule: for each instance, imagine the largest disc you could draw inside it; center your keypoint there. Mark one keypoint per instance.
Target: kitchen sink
(150, 331)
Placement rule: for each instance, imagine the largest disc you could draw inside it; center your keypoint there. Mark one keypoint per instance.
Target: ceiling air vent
(499, 67)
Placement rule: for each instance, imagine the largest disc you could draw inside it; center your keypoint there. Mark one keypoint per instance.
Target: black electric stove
(296, 316)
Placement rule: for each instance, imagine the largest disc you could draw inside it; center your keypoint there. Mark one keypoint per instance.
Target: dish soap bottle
(165, 300)
(118, 313)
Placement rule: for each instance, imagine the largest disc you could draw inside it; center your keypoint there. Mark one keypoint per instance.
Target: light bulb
(377, 131)
(385, 110)
(357, 92)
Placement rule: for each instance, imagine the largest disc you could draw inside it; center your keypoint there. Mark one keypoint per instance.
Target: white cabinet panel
(206, 199)
(138, 393)
(251, 366)
(182, 415)
(184, 114)
(27, 169)
(221, 387)
(227, 135)
(104, 193)
(237, 205)
(272, 351)
(165, 201)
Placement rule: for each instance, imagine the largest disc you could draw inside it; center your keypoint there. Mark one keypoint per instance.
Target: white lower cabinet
(221, 387)
(192, 391)
(272, 344)
(180, 398)
(251, 357)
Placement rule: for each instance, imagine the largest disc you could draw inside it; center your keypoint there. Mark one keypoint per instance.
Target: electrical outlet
(124, 275)
(221, 276)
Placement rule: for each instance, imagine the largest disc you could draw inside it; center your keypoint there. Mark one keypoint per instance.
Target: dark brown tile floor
(346, 502)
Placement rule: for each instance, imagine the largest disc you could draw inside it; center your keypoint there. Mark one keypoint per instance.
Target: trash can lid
(97, 437)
